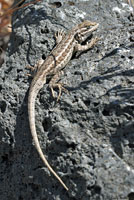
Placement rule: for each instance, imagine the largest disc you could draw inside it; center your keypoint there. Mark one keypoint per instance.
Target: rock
(88, 136)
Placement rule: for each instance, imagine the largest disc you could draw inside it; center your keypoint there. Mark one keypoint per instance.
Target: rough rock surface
(88, 136)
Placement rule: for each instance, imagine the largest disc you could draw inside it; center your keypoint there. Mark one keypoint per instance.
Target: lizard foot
(93, 41)
(59, 36)
(60, 87)
(32, 69)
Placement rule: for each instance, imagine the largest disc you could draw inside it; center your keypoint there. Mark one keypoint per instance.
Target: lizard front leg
(88, 45)
(59, 36)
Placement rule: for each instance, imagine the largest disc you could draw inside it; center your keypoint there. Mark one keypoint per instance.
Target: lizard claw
(60, 90)
(60, 87)
(59, 36)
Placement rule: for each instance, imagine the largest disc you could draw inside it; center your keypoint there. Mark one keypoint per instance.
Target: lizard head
(83, 30)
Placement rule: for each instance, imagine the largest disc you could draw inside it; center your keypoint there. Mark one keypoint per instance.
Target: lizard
(66, 45)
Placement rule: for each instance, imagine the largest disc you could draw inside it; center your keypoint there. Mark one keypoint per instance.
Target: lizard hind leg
(55, 84)
(35, 68)
(60, 87)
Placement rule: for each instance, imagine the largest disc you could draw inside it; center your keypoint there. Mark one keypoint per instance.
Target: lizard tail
(31, 114)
